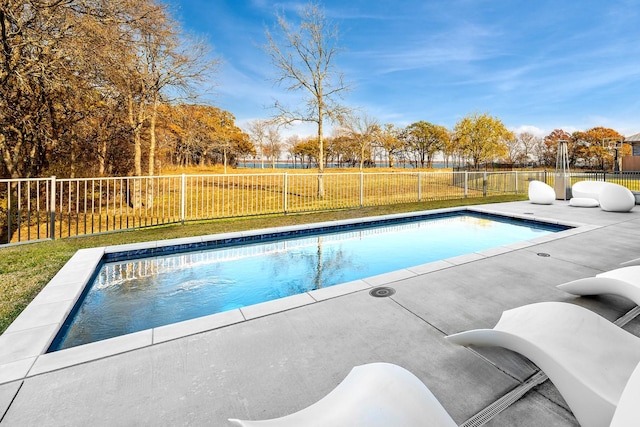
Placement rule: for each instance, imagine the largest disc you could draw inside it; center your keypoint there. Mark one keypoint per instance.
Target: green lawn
(25, 269)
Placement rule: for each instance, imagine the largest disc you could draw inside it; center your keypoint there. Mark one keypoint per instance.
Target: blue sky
(536, 65)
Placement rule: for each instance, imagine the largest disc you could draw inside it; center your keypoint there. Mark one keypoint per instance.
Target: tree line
(474, 141)
(84, 84)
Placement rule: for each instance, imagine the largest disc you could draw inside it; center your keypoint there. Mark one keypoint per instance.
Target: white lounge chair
(376, 394)
(623, 281)
(588, 189)
(616, 198)
(583, 202)
(626, 414)
(611, 197)
(588, 359)
(541, 193)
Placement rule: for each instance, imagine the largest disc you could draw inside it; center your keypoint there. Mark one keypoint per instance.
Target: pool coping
(24, 343)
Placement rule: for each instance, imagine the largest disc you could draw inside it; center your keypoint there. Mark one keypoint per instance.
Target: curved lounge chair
(376, 394)
(627, 411)
(540, 193)
(623, 281)
(616, 198)
(610, 196)
(588, 358)
(588, 189)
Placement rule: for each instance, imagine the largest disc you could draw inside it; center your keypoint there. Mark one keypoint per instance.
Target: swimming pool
(129, 295)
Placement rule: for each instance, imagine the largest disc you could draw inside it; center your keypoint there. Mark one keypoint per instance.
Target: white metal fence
(51, 208)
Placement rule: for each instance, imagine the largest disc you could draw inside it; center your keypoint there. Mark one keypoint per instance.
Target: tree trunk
(317, 280)
(9, 222)
(136, 128)
(136, 124)
(72, 166)
(261, 156)
(152, 134)
(224, 158)
(320, 154)
(102, 158)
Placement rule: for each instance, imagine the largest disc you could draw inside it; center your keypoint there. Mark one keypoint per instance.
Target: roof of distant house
(633, 138)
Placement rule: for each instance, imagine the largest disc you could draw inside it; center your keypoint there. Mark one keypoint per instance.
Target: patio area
(273, 365)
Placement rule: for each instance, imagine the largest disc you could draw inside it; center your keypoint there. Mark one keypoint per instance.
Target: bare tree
(528, 143)
(363, 131)
(265, 135)
(274, 145)
(513, 149)
(290, 144)
(520, 148)
(305, 57)
(258, 134)
(175, 64)
(155, 59)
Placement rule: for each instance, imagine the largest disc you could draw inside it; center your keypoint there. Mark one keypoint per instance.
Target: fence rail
(52, 208)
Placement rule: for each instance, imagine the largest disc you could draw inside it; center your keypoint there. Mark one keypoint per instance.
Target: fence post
(183, 197)
(52, 209)
(285, 184)
(419, 186)
(484, 184)
(361, 188)
(516, 178)
(9, 212)
(466, 184)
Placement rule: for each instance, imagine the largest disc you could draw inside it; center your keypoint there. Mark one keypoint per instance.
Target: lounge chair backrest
(587, 189)
(588, 358)
(628, 410)
(372, 395)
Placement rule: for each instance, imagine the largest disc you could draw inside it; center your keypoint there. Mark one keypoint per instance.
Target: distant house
(632, 163)
(634, 140)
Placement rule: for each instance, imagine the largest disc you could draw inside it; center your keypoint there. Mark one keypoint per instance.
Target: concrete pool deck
(268, 365)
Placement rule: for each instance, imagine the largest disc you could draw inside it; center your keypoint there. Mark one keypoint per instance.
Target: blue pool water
(133, 295)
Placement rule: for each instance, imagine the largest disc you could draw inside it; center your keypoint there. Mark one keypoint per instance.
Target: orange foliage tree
(593, 147)
(201, 134)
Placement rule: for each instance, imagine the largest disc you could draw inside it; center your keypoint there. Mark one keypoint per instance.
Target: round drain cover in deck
(382, 292)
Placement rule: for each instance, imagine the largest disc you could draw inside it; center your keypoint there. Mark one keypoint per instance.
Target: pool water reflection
(134, 295)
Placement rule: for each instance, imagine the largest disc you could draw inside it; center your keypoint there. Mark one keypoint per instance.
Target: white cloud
(534, 130)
